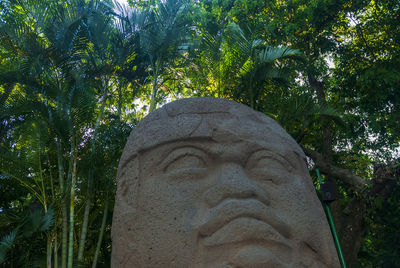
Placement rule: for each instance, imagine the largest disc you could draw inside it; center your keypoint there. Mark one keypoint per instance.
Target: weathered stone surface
(207, 182)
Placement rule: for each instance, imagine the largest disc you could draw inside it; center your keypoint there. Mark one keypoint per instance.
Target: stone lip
(247, 231)
(232, 209)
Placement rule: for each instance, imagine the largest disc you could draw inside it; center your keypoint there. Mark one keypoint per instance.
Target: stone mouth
(231, 209)
(235, 220)
(247, 231)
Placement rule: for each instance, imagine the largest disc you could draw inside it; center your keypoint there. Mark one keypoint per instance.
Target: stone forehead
(191, 117)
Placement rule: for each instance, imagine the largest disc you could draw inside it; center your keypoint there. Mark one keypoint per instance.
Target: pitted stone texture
(206, 182)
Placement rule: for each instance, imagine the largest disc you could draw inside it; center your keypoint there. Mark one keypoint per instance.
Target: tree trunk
(153, 95)
(155, 89)
(352, 230)
(48, 254)
(55, 251)
(64, 207)
(100, 239)
(85, 221)
(72, 203)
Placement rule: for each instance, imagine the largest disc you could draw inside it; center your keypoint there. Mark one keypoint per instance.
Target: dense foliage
(77, 75)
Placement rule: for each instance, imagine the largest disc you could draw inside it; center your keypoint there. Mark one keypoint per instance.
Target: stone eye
(185, 162)
(261, 163)
(267, 166)
(184, 158)
(266, 160)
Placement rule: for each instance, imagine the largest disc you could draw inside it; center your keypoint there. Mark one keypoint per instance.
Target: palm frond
(8, 240)
(303, 106)
(6, 244)
(47, 220)
(271, 54)
(236, 38)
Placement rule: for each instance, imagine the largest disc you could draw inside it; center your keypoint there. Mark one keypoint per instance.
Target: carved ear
(126, 198)
(123, 230)
(128, 182)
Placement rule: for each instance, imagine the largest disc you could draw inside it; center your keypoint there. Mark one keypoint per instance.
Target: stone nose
(231, 181)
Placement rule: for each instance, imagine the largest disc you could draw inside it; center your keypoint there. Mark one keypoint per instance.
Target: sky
(122, 2)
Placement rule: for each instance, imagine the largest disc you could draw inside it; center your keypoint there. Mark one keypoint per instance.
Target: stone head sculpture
(207, 182)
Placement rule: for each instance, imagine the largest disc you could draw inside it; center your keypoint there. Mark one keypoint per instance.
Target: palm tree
(260, 76)
(54, 46)
(31, 225)
(252, 63)
(161, 34)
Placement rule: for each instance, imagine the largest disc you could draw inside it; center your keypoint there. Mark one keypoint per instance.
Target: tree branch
(340, 173)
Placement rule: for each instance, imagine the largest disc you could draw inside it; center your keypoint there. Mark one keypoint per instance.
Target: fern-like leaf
(6, 244)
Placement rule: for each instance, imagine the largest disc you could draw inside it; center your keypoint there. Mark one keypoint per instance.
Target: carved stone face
(208, 182)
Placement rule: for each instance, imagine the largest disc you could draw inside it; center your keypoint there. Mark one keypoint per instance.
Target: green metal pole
(331, 223)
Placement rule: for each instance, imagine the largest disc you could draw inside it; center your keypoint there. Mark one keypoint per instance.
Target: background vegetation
(77, 75)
